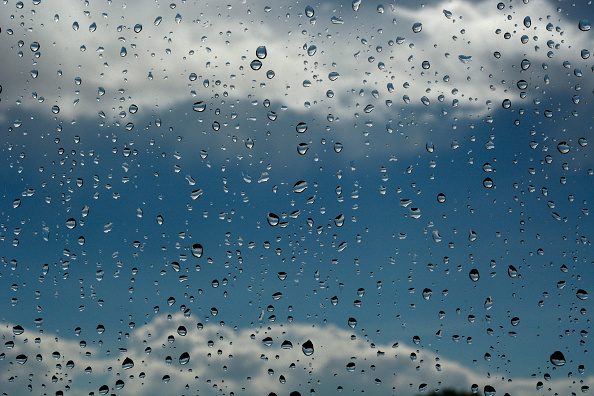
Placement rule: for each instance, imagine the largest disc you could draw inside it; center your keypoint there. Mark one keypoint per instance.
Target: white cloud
(224, 40)
(228, 360)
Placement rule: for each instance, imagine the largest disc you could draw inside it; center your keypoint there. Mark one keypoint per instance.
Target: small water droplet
(417, 27)
(338, 147)
(441, 198)
(137, 28)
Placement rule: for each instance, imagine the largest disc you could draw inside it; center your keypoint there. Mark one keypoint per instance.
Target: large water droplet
(557, 358)
(300, 186)
(309, 11)
(474, 275)
(301, 127)
(584, 25)
(302, 148)
(308, 348)
(199, 106)
(197, 250)
(273, 219)
(261, 52)
(184, 358)
(127, 363)
(256, 64)
(417, 27)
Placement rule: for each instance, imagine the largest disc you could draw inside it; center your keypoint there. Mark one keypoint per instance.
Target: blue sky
(127, 177)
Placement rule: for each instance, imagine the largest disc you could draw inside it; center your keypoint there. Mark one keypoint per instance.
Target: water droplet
(75, 26)
(350, 367)
(300, 186)
(256, 64)
(302, 148)
(488, 183)
(309, 12)
(308, 348)
(336, 20)
(157, 21)
(584, 25)
(582, 294)
(333, 76)
(70, 223)
(527, 22)
(311, 50)
(92, 27)
(197, 250)
(301, 127)
(337, 147)
(352, 322)
(356, 4)
(512, 271)
(441, 198)
(21, 359)
(465, 58)
(474, 275)
(417, 27)
(488, 389)
(506, 104)
(563, 147)
(137, 28)
(415, 213)
(199, 106)
(261, 52)
(522, 84)
(557, 358)
(273, 219)
(127, 363)
(267, 341)
(427, 293)
(282, 275)
(184, 358)
(525, 64)
(55, 109)
(123, 52)
(339, 220)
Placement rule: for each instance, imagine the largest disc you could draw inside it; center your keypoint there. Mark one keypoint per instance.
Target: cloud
(175, 354)
(377, 56)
